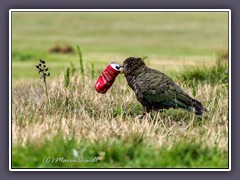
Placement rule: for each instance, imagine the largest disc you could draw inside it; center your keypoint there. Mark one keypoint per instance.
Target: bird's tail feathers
(197, 107)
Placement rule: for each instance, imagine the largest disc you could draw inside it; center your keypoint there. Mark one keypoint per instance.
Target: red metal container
(107, 77)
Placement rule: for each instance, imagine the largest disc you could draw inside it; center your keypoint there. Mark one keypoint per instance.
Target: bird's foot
(141, 116)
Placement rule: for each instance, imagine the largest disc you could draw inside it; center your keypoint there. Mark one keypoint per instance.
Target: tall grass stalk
(92, 70)
(80, 60)
(67, 78)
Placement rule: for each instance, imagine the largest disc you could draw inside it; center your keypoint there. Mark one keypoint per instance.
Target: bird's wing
(157, 88)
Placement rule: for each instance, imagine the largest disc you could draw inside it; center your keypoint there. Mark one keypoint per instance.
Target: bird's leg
(141, 116)
(147, 109)
(145, 112)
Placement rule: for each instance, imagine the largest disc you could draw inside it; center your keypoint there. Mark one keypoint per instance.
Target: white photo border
(119, 10)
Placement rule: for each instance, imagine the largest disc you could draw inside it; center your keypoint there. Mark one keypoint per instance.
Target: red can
(107, 77)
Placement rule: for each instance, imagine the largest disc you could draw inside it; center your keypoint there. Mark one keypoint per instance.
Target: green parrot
(155, 90)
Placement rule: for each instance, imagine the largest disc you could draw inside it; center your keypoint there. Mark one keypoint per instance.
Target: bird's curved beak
(121, 69)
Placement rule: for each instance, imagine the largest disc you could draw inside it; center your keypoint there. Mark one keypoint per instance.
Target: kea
(155, 90)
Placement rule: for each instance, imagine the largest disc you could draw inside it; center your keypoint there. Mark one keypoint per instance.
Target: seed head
(42, 61)
(42, 69)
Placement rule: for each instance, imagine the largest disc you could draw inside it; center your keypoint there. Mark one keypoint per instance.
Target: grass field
(76, 125)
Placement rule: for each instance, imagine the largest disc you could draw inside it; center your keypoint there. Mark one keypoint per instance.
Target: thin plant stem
(43, 71)
(80, 61)
(46, 90)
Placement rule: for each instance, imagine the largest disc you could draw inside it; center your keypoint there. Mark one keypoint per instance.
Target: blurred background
(170, 40)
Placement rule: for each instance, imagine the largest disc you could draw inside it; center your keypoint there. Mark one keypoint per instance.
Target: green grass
(215, 74)
(162, 33)
(115, 153)
(104, 37)
(105, 126)
(189, 47)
